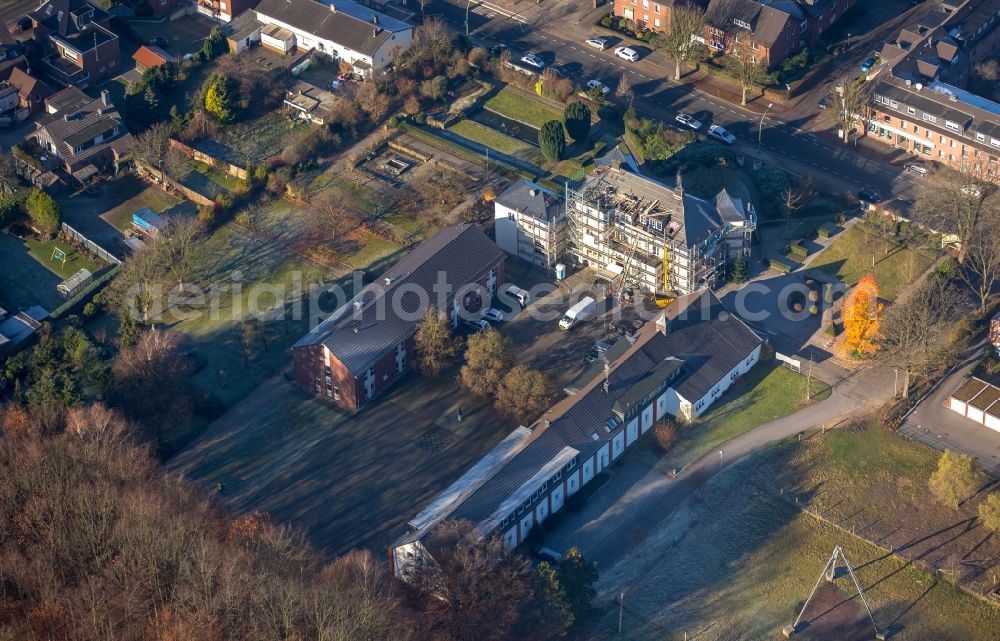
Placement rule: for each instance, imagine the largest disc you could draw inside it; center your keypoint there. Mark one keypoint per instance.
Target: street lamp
(895, 379)
(760, 127)
(721, 452)
(468, 3)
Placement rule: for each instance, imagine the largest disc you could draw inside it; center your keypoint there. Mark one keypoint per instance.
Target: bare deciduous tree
(981, 269)
(851, 103)
(686, 22)
(955, 202)
(914, 333)
(749, 70)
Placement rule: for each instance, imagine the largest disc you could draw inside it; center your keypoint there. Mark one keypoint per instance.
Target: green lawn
(745, 562)
(499, 141)
(767, 392)
(371, 249)
(849, 257)
(42, 252)
(152, 197)
(518, 107)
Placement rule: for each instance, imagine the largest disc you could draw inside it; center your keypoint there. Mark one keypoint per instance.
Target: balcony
(65, 71)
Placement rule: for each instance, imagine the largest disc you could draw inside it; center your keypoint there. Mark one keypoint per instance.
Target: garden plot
(253, 141)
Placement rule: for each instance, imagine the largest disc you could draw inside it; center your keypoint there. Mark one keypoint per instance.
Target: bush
(739, 271)
(664, 432)
(813, 310)
(420, 118)
(89, 310)
(393, 122)
(606, 22)
(780, 265)
(552, 140)
(206, 215)
(43, 211)
(577, 119)
(798, 250)
(831, 329)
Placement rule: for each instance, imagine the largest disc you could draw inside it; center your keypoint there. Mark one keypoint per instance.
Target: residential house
(531, 223)
(651, 14)
(309, 102)
(677, 366)
(343, 29)
(85, 134)
(368, 344)
(32, 92)
(82, 49)
(769, 30)
(11, 54)
(149, 56)
(919, 103)
(642, 234)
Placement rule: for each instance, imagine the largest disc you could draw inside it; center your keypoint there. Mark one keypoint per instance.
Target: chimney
(375, 20)
(532, 192)
(333, 7)
(66, 117)
(607, 373)
(105, 97)
(616, 164)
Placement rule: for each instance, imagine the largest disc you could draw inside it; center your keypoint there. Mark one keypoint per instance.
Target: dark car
(869, 195)
(868, 64)
(824, 103)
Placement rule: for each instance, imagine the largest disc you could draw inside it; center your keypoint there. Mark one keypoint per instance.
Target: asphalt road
(789, 140)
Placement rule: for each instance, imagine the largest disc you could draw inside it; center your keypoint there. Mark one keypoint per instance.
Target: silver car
(532, 60)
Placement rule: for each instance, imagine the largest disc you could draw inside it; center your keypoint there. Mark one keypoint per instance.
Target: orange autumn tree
(861, 314)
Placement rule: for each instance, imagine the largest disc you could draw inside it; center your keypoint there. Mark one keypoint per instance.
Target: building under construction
(644, 235)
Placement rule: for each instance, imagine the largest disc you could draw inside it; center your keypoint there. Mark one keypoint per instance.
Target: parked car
(869, 195)
(521, 296)
(688, 121)
(494, 315)
(597, 84)
(915, 168)
(477, 324)
(868, 64)
(548, 554)
(627, 53)
(720, 134)
(598, 42)
(23, 24)
(824, 103)
(577, 313)
(498, 49)
(532, 60)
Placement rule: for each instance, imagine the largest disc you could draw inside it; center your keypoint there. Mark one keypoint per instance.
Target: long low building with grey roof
(368, 344)
(677, 366)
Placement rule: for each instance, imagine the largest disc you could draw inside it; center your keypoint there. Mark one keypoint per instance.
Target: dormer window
(741, 23)
(952, 125)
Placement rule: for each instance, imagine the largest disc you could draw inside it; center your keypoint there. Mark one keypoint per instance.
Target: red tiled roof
(149, 57)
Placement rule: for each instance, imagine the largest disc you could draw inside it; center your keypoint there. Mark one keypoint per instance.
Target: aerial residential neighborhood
(433, 320)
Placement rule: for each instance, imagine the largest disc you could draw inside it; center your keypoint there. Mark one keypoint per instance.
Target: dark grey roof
(88, 117)
(242, 26)
(367, 327)
(533, 200)
(701, 220)
(70, 17)
(766, 22)
(596, 368)
(334, 23)
(699, 331)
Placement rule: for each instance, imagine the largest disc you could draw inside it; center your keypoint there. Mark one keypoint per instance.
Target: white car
(688, 121)
(916, 168)
(532, 60)
(597, 84)
(597, 42)
(493, 314)
(720, 134)
(627, 53)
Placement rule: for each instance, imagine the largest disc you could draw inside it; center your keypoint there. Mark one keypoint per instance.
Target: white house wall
(992, 422)
(402, 39)
(723, 384)
(957, 406)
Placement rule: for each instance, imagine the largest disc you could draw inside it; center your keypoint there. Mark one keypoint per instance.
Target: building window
(741, 23)
(913, 112)
(319, 386)
(69, 55)
(980, 138)
(893, 104)
(336, 393)
(656, 22)
(951, 125)
(656, 8)
(645, 17)
(927, 117)
(994, 142)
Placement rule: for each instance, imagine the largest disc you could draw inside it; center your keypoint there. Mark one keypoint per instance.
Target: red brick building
(368, 344)
(774, 30)
(920, 103)
(653, 15)
(82, 49)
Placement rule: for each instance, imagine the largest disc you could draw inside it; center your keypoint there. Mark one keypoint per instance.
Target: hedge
(780, 265)
(798, 250)
(826, 230)
(84, 296)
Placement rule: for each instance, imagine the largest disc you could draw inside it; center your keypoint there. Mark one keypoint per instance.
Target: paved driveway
(935, 425)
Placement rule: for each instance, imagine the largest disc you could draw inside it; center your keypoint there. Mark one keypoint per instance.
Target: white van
(518, 294)
(579, 312)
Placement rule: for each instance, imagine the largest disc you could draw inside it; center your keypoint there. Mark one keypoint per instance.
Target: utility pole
(760, 127)
(809, 377)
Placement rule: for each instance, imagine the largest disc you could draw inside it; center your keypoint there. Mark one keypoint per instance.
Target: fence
(209, 159)
(91, 246)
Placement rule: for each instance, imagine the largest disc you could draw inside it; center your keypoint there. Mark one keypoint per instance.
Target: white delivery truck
(518, 294)
(579, 312)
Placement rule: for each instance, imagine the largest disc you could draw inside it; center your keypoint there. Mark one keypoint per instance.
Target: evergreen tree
(555, 612)
(577, 119)
(552, 140)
